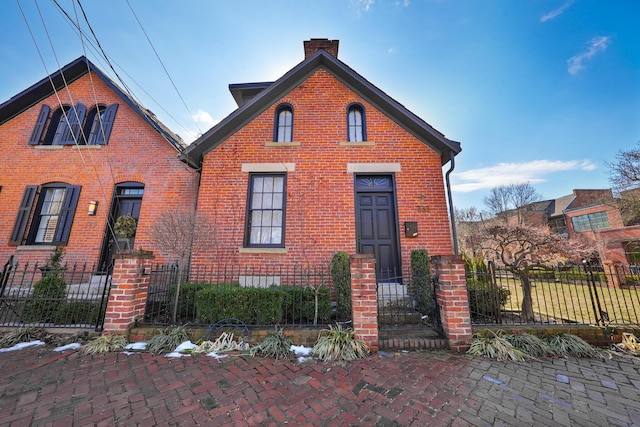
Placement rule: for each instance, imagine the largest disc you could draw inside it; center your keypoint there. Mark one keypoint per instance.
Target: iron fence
(258, 296)
(581, 294)
(72, 295)
(407, 301)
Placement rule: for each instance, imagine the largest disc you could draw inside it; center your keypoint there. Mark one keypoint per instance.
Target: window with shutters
(356, 129)
(266, 211)
(72, 125)
(49, 222)
(283, 129)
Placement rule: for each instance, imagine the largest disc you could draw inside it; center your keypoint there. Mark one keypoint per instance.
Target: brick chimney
(313, 45)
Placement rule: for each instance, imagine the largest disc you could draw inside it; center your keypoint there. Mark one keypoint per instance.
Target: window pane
(268, 185)
(277, 201)
(278, 184)
(266, 200)
(266, 218)
(276, 218)
(258, 183)
(276, 235)
(48, 218)
(256, 201)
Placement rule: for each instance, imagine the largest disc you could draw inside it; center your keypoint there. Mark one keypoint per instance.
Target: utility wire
(161, 63)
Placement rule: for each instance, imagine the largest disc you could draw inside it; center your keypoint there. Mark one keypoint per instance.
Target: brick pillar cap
(362, 256)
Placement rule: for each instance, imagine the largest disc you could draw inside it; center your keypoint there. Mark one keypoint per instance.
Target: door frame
(396, 226)
(105, 262)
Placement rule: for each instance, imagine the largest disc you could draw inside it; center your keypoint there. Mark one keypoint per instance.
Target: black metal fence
(582, 294)
(407, 301)
(40, 296)
(267, 295)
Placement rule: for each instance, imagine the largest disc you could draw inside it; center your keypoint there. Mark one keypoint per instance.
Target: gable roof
(194, 153)
(65, 76)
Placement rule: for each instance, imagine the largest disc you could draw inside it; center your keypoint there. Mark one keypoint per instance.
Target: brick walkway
(41, 387)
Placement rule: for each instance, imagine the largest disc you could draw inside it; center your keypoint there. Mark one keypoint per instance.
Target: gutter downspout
(454, 233)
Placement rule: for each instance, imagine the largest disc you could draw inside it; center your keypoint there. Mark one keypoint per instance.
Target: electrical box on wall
(411, 229)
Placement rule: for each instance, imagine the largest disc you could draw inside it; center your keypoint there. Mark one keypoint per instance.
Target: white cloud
(201, 117)
(391, 50)
(596, 45)
(556, 12)
(514, 173)
(360, 6)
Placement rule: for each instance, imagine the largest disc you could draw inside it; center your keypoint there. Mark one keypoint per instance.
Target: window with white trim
(266, 210)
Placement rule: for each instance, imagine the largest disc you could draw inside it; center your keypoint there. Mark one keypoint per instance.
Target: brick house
(317, 162)
(76, 153)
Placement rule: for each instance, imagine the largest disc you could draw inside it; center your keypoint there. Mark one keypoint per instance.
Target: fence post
(364, 299)
(453, 300)
(611, 272)
(129, 287)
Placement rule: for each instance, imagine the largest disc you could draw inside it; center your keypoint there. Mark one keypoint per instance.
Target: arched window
(283, 129)
(356, 123)
(97, 128)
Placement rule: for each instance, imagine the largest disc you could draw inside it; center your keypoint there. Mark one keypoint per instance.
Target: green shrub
(253, 306)
(75, 312)
(476, 268)
(300, 304)
(495, 345)
(341, 276)
(275, 345)
(49, 294)
(420, 286)
(187, 299)
(105, 343)
(486, 299)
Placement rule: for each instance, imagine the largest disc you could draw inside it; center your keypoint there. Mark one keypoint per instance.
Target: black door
(376, 228)
(127, 200)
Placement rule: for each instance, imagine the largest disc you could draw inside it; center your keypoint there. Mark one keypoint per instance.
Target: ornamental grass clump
(16, 337)
(105, 343)
(531, 345)
(275, 345)
(167, 340)
(339, 343)
(568, 344)
(495, 346)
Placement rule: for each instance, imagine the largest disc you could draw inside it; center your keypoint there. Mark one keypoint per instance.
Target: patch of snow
(73, 346)
(21, 346)
(217, 356)
(140, 346)
(301, 350)
(304, 359)
(178, 352)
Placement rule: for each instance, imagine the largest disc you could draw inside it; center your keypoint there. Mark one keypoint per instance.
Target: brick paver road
(41, 387)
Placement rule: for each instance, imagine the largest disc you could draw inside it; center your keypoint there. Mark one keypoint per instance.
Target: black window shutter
(109, 116)
(67, 212)
(72, 131)
(39, 127)
(23, 214)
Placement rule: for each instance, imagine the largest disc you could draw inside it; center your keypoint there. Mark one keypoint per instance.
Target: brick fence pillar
(129, 287)
(453, 301)
(364, 299)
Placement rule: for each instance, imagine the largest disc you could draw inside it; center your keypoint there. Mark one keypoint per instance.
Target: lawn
(570, 301)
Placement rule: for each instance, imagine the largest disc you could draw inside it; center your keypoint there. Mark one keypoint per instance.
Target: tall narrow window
(99, 123)
(266, 211)
(284, 124)
(52, 217)
(356, 123)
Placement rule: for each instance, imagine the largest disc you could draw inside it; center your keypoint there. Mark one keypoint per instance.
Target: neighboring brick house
(322, 161)
(590, 215)
(77, 152)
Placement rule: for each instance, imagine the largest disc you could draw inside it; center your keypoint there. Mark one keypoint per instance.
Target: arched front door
(127, 200)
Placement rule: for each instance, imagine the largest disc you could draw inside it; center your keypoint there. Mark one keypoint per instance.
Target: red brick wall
(320, 210)
(136, 152)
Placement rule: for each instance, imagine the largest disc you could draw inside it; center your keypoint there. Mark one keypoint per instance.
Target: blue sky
(538, 91)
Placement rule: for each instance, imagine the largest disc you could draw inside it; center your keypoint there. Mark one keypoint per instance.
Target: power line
(161, 63)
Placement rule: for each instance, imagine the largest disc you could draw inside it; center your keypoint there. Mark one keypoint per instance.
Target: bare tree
(183, 233)
(625, 179)
(468, 222)
(505, 200)
(521, 248)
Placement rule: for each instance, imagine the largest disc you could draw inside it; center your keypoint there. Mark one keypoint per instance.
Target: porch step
(416, 338)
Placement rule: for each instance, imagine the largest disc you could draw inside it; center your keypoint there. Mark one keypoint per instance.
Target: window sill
(47, 248)
(357, 144)
(263, 250)
(60, 147)
(282, 144)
